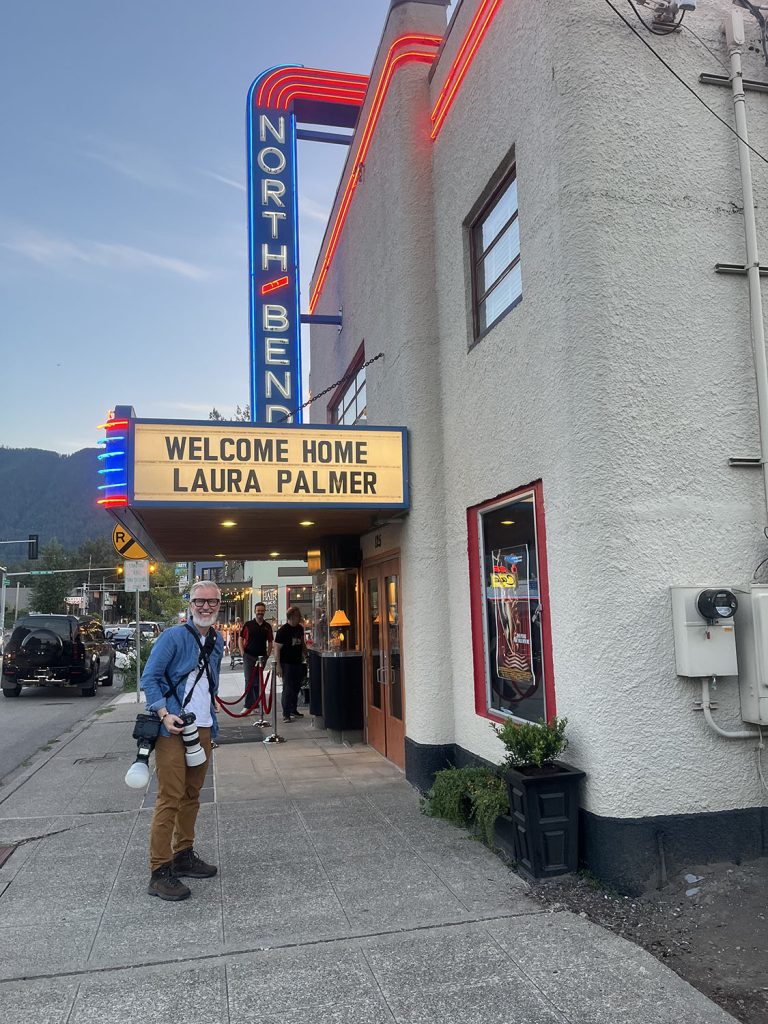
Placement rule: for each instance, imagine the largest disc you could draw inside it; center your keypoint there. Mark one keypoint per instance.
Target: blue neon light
(299, 416)
(264, 407)
(106, 487)
(117, 469)
(109, 455)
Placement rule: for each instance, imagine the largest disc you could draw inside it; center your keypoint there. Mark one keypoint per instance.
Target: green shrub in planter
(535, 744)
(542, 828)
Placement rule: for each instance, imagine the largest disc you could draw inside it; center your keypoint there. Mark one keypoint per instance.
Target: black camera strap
(204, 665)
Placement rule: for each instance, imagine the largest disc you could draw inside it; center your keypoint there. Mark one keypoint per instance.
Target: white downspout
(706, 707)
(734, 31)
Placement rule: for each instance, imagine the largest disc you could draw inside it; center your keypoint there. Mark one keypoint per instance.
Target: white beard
(203, 621)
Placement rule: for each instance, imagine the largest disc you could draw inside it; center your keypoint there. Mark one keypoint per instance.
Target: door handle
(381, 675)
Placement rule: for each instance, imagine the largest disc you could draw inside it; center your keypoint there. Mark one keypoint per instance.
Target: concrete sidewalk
(337, 902)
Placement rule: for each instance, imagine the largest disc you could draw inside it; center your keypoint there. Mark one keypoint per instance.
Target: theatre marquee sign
(208, 464)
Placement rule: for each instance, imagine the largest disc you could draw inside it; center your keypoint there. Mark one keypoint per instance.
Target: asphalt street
(39, 716)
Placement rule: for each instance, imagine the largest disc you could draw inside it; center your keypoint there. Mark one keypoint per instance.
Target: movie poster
(510, 596)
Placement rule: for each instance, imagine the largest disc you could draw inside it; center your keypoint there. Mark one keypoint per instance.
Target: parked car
(150, 630)
(57, 650)
(121, 637)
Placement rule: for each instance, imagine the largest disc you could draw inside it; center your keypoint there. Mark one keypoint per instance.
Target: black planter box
(542, 829)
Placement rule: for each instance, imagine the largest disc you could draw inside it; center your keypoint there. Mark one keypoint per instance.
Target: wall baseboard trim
(631, 855)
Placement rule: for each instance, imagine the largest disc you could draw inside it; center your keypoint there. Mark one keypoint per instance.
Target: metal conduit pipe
(734, 29)
(706, 707)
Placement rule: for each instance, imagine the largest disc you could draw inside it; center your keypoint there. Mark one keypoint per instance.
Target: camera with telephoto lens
(146, 730)
(193, 752)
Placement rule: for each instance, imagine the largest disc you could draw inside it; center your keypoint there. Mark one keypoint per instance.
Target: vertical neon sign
(275, 326)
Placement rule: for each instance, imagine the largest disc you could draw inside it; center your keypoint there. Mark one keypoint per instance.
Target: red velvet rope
(260, 700)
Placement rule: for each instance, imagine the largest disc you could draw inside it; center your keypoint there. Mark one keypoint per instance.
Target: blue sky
(123, 264)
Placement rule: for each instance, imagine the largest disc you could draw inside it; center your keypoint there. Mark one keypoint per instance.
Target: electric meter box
(703, 647)
(752, 646)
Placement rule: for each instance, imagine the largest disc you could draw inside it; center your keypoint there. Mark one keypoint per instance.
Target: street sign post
(136, 577)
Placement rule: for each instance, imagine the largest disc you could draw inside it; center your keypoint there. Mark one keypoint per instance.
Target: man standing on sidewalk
(290, 650)
(255, 642)
(182, 673)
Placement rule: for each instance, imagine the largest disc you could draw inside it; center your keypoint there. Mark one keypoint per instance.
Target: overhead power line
(683, 82)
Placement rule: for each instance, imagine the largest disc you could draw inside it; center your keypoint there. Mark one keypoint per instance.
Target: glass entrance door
(383, 660)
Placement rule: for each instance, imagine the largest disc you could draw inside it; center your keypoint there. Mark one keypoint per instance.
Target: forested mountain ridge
(49, 494)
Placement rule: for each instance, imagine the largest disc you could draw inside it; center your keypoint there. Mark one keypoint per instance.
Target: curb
(33, 769)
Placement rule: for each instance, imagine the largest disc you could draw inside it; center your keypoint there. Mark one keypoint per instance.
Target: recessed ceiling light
(273, 554)
(219, 556)
(507, 522)
(306, 522)
(229, 522)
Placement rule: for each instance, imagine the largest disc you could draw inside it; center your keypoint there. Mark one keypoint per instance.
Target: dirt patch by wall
(709, 925)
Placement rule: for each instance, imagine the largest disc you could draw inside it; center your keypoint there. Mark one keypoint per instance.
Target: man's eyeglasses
(201, 602)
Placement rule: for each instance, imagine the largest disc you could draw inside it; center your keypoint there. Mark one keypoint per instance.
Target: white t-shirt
(200, 704)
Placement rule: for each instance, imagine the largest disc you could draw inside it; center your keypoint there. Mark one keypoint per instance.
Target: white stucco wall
(625, 347)
(623, 381)
(382, 275)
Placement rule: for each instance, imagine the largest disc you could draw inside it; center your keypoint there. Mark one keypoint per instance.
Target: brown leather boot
(189, 864)
(166, 885)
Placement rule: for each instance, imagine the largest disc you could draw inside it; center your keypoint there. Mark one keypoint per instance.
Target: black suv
(57, 650)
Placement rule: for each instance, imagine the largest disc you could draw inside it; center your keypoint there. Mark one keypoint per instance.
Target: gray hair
(208, 584)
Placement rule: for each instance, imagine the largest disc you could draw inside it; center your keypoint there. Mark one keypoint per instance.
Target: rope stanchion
(262, 703)
(274, 737)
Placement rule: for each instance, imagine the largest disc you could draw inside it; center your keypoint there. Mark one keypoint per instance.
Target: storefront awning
(215, 489)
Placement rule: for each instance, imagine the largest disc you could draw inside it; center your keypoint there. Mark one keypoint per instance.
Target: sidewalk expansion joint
(228, 954)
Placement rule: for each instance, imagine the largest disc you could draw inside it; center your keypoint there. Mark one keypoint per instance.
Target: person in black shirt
(289, 656)
(255, 643)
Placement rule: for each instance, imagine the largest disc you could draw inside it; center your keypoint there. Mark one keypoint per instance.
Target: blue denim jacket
(177, 652)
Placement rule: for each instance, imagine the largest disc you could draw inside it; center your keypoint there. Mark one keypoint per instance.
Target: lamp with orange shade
(337, 637)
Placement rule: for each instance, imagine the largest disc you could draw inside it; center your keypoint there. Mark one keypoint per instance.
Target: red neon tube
(113, 501)
(291, 92)
(265, 96)
(314, 82)
(283, 76)
(272, 286)
(465, 42)
(439, 115)
(392, 62)
(111, 424)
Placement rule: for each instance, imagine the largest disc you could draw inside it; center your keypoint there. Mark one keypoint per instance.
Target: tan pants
(178, 798)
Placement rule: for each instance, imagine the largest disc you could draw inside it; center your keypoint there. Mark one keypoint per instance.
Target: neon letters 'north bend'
(275, 325)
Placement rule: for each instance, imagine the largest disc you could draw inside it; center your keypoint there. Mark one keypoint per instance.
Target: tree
(242, 415)
(48, 592)
(163, 602)
(96, 551)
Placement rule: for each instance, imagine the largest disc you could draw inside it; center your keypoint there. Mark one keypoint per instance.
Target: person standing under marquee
(290, 650)
(255, 642)
(182, 673)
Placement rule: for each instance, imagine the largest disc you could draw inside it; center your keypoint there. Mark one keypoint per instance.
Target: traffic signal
(32, 552)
